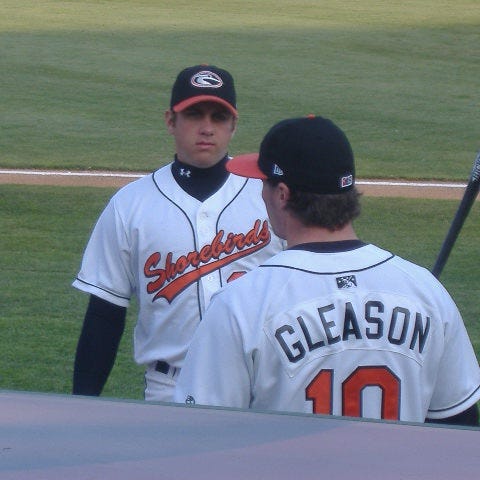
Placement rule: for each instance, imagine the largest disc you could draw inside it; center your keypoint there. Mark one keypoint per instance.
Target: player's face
(202, 133)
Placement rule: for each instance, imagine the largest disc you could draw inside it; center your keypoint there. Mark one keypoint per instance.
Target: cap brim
(203, 98)
(246, 166)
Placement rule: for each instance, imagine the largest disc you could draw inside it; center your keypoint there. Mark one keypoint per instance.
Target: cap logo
(346, 181)
(206, 79)
(277, 170)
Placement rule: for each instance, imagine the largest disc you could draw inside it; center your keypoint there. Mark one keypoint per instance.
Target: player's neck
(302, 234)
(200, 183)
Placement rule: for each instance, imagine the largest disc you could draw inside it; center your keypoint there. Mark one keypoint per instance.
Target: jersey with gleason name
(173, 251)
(343, 333)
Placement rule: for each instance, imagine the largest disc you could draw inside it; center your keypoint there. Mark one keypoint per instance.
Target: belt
(165, 368)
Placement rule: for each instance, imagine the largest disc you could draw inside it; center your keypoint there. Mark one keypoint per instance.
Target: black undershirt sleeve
(468, 417)
(97, 347)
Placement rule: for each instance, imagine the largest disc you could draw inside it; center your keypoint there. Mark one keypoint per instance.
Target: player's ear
(234, 125)
(170, 118)
(283, 192)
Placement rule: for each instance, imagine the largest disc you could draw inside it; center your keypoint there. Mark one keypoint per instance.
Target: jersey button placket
(206, 233)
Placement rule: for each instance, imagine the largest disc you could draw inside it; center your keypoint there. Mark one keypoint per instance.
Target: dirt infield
(374, 188)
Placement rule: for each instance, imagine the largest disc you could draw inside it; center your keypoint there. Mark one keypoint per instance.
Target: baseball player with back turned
(172, 239)
(332, 325)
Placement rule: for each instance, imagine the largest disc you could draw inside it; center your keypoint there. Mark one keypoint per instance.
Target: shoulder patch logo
(346, 181)
(349, 281)
(206, 79)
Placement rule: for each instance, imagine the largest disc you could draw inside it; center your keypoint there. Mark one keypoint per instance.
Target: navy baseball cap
(203, 83)
(310, 154)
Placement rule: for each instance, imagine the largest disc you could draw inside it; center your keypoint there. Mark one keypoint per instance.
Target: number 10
(319, 391)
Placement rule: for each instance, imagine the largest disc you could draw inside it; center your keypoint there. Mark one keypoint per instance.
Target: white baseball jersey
(355, 333)
(172, 251)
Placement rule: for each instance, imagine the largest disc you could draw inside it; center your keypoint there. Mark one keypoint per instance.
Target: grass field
(85, 84)
(43, 233)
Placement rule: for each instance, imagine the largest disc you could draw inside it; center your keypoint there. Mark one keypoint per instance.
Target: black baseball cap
(310, 154)
(203, 83)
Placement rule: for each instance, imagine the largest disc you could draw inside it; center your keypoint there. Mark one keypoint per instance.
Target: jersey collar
(329, 247)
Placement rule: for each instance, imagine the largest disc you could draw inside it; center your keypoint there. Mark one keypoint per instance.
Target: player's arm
(457, 388)
(103, 327)
(469, 418)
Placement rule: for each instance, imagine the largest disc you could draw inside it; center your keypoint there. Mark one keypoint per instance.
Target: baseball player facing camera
(172, 238)
(331, 325)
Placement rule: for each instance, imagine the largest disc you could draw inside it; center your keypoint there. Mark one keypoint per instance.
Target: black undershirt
(200, 183)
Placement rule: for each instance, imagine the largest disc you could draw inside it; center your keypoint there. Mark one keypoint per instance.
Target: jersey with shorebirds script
(173, 252)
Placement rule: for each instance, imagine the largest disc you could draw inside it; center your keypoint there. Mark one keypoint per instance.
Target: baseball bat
(471, 191)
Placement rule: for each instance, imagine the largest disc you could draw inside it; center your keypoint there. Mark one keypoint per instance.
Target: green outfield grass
(43, 231)
(85, 83)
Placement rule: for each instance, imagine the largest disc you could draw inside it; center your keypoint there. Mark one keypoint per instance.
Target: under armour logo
(185, 173)
(348, 281)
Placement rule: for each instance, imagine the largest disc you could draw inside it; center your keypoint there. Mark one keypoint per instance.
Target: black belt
(165, 368)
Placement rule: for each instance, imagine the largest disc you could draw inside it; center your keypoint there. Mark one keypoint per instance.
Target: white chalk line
(386, 183)
(52, 173)
(56, 173)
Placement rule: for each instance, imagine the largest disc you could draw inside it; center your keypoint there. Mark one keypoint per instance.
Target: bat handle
(468, 198)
